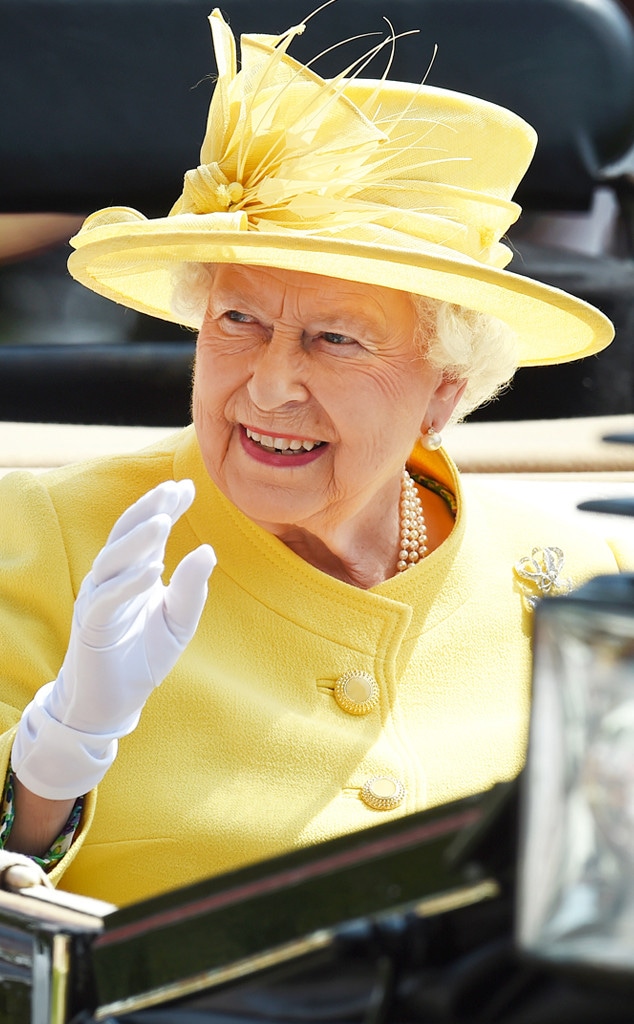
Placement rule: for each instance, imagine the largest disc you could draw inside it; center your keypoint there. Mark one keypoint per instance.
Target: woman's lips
(280, 450)
(282, 442)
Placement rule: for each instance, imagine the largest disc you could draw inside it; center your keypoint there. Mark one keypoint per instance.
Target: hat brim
(132, 263)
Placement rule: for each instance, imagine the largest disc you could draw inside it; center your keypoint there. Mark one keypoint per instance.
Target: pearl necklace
(413, 541)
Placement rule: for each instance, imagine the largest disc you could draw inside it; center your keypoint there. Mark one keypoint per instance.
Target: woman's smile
(280, 449)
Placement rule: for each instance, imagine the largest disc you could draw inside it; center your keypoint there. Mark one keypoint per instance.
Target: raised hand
(127, 633)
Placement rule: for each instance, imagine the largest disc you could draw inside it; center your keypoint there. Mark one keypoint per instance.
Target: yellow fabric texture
(243, 752)
(390, 183)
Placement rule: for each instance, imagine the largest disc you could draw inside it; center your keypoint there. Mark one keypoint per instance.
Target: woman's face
(309, 394)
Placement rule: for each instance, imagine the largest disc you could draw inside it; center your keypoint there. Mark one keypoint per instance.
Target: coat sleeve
(37, 596)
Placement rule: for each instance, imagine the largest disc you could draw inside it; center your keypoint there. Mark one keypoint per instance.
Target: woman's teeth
(282, 444)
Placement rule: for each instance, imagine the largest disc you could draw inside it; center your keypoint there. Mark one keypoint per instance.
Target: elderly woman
(364, 648)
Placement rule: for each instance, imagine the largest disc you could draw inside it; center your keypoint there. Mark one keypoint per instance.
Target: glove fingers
(184, 598)
(144, 543)
(171, 498)
(112, 607)
(122, 576)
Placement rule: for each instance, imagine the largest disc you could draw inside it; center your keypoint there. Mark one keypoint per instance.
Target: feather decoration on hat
(291, 151)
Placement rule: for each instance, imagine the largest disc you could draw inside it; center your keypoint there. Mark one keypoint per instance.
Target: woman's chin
(269, 506)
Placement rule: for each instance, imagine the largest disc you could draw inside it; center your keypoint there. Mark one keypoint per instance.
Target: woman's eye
(239, 318)
(337, 339)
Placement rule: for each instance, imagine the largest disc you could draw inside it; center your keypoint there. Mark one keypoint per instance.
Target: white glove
(127, 633)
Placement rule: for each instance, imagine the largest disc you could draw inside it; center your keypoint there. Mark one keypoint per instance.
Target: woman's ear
(442, 404)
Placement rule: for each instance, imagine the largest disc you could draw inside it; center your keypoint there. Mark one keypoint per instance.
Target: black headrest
(104, 101)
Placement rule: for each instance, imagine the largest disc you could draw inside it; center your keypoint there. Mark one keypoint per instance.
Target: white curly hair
(464, 344)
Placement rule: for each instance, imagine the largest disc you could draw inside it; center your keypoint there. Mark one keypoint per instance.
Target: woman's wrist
(37, 823)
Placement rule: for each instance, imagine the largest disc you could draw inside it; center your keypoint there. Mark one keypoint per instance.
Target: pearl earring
(431, 440)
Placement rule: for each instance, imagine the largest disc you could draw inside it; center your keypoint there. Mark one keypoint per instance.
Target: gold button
(356, 692)
(383, 793)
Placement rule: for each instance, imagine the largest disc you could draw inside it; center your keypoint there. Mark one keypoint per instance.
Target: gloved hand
(127, 633)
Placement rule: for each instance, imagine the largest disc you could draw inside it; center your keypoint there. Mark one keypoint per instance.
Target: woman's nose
(278, 375)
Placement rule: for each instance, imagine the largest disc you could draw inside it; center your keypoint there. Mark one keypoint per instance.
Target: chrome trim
(219, 975)
(457, 898)
(41, 972)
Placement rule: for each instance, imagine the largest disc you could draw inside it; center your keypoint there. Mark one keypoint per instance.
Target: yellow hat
(382, 182)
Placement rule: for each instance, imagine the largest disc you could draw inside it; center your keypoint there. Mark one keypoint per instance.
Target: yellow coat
(243, 752)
